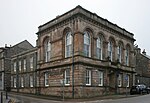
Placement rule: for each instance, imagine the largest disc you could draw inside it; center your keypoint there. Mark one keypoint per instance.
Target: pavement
(12, 96)
(110, 97)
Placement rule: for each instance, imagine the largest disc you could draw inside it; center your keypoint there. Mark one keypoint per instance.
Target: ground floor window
(67, 77)
(15, 82)
(88, 77)
(100, 75)
(31, 81)
(46, 79)
(119, 80)
(22, 82)
(127, 80)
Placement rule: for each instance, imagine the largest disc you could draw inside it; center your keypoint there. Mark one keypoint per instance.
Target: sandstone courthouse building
(87, 53)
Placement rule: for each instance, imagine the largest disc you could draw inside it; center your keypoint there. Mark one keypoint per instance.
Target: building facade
(86, 54)
(142, 67)
(5, 62)
(4, 71)
(23, 72)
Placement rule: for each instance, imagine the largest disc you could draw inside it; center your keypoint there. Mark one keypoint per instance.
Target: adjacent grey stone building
(142, 67)
(5, 62)
(23, 71)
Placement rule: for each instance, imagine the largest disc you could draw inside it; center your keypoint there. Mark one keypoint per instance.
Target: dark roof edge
(61, 15)
(94, 14)
(22, 42)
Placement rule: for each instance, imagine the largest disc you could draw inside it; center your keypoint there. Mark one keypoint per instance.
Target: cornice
(83, 13)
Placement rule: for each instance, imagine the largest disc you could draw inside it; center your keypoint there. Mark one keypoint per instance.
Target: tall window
(110, 48)
(119, 52)
(15, 82)
(12, 80)
(20, 65)
(46, 79)
(68, 44)
(22, 82)
(67, 77)
(119, 80)
(87, 44)
(47, 47)
(128, 80)
(24, 64)
(100, 73)
(15, 67)
(88, 77)
(127, 56)
(31, 63)
(99, 48)
(2, 64)
(31, 81)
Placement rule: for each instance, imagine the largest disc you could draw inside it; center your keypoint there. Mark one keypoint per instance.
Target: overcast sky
(19, 19)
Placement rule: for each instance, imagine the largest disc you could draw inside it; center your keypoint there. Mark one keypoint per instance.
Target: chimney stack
(144, 52)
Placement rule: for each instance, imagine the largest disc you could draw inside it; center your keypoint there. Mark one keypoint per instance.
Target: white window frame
(88, 77)
(12, 81)
(31, 81)
(2, 54)
(68, 42)
(119, 80)
(22, 82)
(20, 65)
(15, 82)
(15, 66)
(128, 80)
(101, 78)
(87, 44)
(47, 47)
(99, 48)
(67, 77)
(119, 52)
(110, 50)
(24, 64)
(31, 63)
(46, 79)
(2, 64)
(127, 56)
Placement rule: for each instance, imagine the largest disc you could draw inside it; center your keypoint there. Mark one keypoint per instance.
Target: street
(137, 99)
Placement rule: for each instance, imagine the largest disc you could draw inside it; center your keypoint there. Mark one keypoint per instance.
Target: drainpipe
(73, 65)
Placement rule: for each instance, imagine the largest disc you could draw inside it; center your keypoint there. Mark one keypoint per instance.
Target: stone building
(23, 71)
(5, 62)
(4, 69)
(88, 54)
(142, 67)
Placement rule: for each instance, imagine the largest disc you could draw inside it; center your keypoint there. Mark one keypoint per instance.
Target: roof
(79, 10)
(147, 56)
(24, 44)
(21, 47)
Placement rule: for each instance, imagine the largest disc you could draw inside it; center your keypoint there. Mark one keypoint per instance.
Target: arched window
(110, 50)
(127, 56)
(119, 52)
(99, 48)
(47, 48)
(87, 44)
(68, 51)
